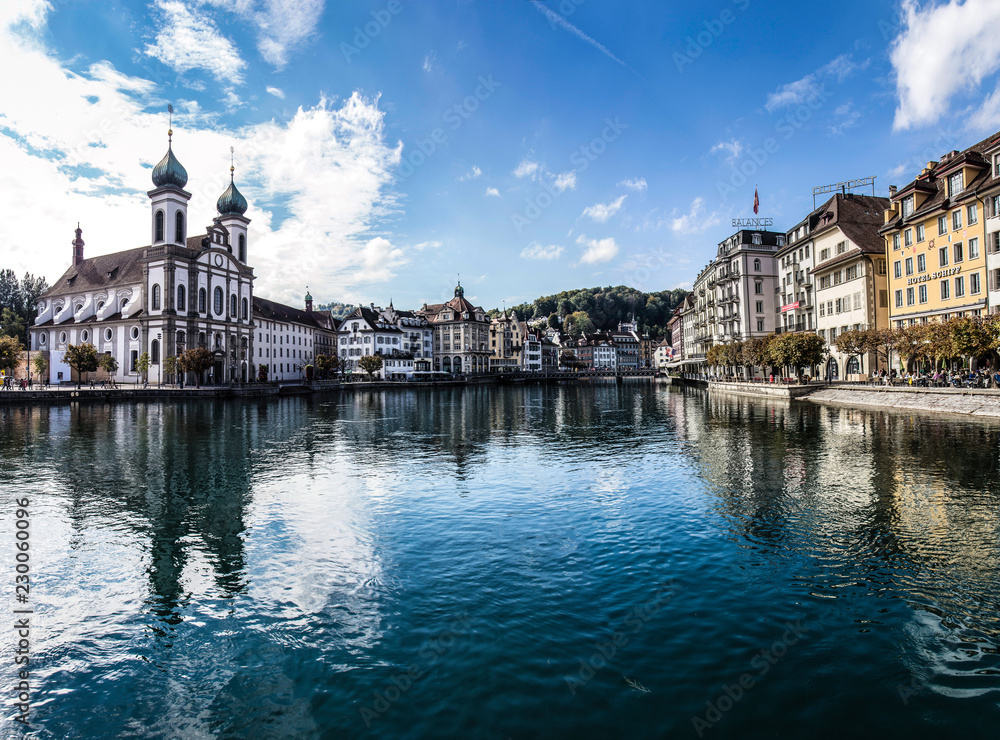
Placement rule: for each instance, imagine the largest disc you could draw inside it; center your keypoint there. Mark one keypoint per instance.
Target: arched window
(232, 305)
(756, 265)
(181, 298)
(179, 228)
(202, 298)
(158, 227)
(156, 297)
(246, 308)
(243, 248)
(220, 304)
(154, 352)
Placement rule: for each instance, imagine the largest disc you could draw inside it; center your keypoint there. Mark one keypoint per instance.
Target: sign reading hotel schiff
(753, 223)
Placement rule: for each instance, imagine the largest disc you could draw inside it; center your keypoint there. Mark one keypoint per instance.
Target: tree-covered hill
(605, 308)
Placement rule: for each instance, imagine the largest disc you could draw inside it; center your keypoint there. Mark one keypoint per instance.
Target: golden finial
(232, 163)
(170, 125)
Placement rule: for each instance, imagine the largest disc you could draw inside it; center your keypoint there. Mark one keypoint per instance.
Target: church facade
(177, 293)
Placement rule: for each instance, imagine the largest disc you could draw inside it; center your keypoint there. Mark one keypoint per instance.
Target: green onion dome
(232, 201)
(169, 171)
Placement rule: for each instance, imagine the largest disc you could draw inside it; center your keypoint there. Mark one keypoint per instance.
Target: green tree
(142, 366)
(11, 323)
(82, 358)
(41, 365)
(883, 343)
(755, 352)
(170, 367)
(197, 360)
(371, 364)
(10, 353)
(797, 350)
(579, 322)
(554, 321)
(972, 337)
(109, 364)
(853, 344)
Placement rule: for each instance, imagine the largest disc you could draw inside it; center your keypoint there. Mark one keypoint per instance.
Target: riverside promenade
(976, 402)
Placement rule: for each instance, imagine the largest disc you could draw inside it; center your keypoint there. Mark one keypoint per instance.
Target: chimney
(892, 191)
(78, 246)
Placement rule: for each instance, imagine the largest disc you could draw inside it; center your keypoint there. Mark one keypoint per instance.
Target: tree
(554, 321)
(109, 364)
(371, 364)
(142, 365)
(797, 350)
(10, 353)
(755, 352)
(82, 358)
(579, 322)
(912, 343)
(21, 296)
(853, 344)
(11, 323)
(882, 342)
(197, 360)
(41, 365)
(972, 337)
(170, 367)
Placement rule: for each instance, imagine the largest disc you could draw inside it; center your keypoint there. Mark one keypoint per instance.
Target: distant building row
(929, 251)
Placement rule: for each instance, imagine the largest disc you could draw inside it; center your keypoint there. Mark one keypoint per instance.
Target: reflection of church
(177, 293)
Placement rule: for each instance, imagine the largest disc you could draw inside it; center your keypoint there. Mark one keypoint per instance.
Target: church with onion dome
(178, 292)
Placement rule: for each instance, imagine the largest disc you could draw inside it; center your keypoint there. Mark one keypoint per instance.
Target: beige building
(850, 276)
(461, 335)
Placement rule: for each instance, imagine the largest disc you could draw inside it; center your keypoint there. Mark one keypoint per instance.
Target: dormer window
(996, 165)
(907, 206)
(755, 238)
(956, 183)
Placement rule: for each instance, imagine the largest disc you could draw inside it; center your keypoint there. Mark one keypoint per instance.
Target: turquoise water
(600, 561)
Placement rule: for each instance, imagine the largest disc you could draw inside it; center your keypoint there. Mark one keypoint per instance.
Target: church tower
(231, 206)
(168, 199)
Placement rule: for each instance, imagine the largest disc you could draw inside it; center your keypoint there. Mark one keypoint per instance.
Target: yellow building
(935, 233)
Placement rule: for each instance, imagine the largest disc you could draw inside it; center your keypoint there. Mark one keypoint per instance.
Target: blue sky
(388, 146)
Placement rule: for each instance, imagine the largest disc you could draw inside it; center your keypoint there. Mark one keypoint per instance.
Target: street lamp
(159, 359)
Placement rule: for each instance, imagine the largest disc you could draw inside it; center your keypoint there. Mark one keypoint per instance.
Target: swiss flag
(756, 201)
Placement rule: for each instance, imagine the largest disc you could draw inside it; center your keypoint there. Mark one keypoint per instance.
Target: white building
(363, 333)
(287, 339)
(177, 293)
(417, 336)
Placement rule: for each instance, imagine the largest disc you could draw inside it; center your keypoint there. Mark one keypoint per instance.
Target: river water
(592, 561)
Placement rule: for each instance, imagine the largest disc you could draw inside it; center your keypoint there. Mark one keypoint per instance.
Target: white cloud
(734, 147)
(428, 245)
(601, 212)
(527, 168)
(276, 92)
(848, 117)
(811, 86)
(88, 144)
(471, 174)
(943, 49)
(380, 258)
(429, 61)
(492, 193)
(695, 219)
(188, 39)
(597, 251)
(638, 184)
(282, 25)
(557, 20)
(566, 181)
(536, 251)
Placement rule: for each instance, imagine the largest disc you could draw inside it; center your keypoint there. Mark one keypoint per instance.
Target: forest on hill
(602, 309)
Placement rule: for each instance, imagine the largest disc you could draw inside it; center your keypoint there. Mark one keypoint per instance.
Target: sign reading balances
(753, 223)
